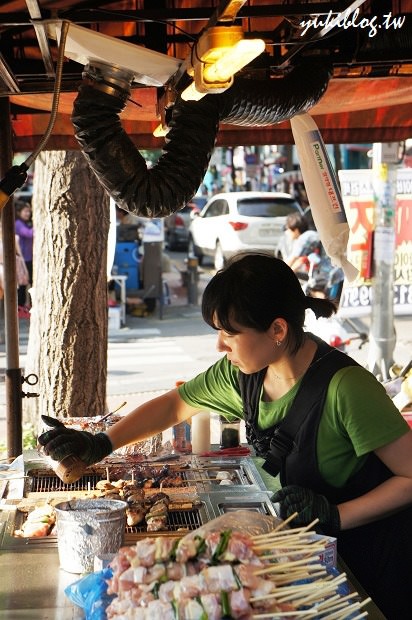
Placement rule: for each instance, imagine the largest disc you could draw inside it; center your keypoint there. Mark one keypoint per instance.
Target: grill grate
(176, 520)
(49, 483)
(52, 483)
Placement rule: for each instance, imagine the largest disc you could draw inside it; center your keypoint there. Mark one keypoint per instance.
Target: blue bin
(132, 273)
(126, 254)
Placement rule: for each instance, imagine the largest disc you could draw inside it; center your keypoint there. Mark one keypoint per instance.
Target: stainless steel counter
(32, 586)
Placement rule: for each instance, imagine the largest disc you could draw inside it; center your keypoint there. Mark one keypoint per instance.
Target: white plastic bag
(323, 192)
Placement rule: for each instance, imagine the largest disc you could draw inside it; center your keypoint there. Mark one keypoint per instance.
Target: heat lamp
(219, 54)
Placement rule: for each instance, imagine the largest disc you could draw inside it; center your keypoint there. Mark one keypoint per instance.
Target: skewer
(290, 552)
(107, 474)
(332, 585)
(273, 568)
(309, 613)
(286, 593)
(280, 580)
(348, 610)
(112, 412)
(290, 532)
(285, 522)
(290, 543)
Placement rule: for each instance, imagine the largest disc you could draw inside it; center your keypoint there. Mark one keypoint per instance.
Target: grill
(198, 498)
(199, 473)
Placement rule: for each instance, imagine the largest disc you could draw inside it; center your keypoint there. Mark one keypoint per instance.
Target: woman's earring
(278, 343)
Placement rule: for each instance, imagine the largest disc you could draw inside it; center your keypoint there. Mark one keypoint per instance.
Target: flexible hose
(172, 182)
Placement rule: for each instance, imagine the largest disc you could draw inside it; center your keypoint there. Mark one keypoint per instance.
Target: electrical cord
(17, 175)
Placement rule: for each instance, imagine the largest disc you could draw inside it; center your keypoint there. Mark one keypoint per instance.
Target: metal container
(86, 528)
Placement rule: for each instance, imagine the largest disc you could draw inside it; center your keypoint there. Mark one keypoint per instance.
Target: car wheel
(219, 259)
(193, 250)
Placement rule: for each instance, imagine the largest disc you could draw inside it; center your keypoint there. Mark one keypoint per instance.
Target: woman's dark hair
(252, 290)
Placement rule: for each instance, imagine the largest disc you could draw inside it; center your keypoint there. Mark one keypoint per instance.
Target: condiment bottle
(201, 432)
(229, 433)
(70, 469)
(181, 435)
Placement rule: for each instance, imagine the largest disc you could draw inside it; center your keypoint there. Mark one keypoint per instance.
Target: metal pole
(13, 372)
(382, 336)
(192, 280)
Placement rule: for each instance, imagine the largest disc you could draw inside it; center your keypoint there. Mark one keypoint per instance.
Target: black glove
(309, 506)
(61, 441)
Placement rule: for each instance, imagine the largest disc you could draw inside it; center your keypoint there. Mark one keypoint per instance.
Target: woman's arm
(149, 419)
(390, 496)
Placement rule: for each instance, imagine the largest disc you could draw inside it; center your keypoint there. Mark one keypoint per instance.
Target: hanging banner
(357, 196)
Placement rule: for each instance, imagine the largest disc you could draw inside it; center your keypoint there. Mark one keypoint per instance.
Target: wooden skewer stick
(282, 566)
(288, 541)
(289, 532)
(332, 585)
(284, 523)
(286, 593)
(281, 580)
(329, 601)
(302, 551)
(348, 610)
(309, 613)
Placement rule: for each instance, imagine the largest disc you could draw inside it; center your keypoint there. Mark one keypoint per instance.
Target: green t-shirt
(358, 416)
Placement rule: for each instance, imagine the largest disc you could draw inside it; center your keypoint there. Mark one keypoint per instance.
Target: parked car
(234, 221)
(177, 224)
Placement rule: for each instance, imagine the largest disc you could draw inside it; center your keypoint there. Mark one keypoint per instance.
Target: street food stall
(193, 492)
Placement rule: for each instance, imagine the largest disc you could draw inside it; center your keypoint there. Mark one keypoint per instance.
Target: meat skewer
(215, 575)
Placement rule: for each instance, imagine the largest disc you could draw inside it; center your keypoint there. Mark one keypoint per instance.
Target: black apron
(378, 554)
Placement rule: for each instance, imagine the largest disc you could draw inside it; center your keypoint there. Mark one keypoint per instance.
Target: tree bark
(67, 346)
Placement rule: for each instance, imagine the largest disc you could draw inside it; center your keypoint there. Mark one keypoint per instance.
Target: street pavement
(149, 354)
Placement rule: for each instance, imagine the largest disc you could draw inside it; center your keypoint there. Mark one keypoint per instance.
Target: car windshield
(266, 207)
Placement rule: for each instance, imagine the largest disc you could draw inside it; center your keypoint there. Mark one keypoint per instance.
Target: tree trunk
(67, 346)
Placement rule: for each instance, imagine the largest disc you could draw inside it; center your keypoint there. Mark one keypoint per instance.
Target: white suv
(237, 221)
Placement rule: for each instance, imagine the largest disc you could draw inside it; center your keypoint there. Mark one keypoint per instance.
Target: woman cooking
(343, 449)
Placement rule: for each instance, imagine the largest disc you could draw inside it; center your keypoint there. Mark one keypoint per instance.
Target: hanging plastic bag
(323, 192)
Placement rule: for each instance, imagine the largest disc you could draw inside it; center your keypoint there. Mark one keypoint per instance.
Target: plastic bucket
(88, 527)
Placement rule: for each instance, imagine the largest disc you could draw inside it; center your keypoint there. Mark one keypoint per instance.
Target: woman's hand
(61, 442)
(309, 506)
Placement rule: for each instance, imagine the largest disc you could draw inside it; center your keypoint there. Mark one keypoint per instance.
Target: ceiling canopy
(366, 44)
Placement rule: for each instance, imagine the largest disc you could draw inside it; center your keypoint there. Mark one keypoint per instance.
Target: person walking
(24, 231)
(321, 422)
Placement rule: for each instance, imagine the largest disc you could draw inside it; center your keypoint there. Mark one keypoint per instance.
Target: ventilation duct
(172, 182)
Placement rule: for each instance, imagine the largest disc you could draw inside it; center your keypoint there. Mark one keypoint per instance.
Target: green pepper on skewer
(222, 545)
(225, 603)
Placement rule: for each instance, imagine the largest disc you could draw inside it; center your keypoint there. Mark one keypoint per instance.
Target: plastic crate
(126, 254)
(132, 273)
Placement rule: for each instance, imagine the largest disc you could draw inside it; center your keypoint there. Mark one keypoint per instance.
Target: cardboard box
(114, 317)
(329, 557)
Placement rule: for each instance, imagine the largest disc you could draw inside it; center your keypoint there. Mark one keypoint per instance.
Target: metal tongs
(107, 415)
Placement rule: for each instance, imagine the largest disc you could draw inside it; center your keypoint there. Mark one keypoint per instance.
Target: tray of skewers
(223, 570)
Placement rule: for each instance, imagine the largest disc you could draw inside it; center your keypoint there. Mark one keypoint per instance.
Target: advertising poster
(357, 196)
(154, 230)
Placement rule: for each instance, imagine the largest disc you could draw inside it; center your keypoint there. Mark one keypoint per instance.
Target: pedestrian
(299, 241)
(24, 231)
(22, 274)
(343, 449)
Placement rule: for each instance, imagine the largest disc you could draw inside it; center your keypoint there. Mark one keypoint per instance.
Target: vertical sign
(357, 195)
